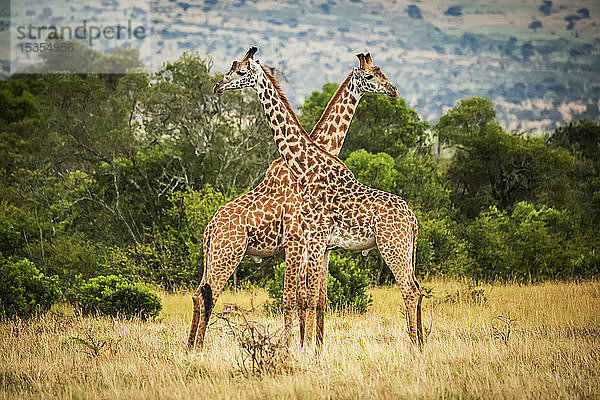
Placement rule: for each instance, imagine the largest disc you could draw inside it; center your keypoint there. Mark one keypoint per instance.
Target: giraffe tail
(415, 238)
(420, 337)
(206, 246)
(206, 290)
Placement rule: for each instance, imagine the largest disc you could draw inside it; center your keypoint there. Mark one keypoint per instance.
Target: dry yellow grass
(552, 351)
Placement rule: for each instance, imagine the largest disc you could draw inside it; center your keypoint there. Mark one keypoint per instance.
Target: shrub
(172, 257)
(527, 245)
(346, 286)
(114, 296)
(161, 262)
(439, 251)
(274, 304)
(24, 290)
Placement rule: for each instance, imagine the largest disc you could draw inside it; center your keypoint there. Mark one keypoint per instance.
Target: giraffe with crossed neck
(266, 219)
(335, 207)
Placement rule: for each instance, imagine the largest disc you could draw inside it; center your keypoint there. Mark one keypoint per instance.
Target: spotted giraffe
(265, 220)
(336, 208)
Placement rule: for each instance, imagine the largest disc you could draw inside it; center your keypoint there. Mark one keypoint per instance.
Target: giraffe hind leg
(420, 337)
(397, 253)
(206, 292)
(412, 301)
(203, 302)
(216, 274)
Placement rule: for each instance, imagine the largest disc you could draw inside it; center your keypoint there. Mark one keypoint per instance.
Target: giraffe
(265, 220)
(336, 209)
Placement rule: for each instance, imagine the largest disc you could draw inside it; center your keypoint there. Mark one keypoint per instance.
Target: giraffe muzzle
(218, 89)
(393, 92)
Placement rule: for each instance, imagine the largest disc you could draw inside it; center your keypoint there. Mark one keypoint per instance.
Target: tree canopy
(119, 175)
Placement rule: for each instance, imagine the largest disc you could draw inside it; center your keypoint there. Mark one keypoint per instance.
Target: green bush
(440, 252)
(162, 263)
(172, 256)
(274, 304)
(527, 245)
(114, 296)
(346, 286)
(24, 290)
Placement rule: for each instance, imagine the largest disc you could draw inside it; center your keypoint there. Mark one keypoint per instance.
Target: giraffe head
(369, 78)
(243, 73)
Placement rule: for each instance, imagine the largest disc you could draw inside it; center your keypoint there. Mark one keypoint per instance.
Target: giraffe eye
(241, 72)
(369, 77)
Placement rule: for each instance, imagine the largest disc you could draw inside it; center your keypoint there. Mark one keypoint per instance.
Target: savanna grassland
(500, 341)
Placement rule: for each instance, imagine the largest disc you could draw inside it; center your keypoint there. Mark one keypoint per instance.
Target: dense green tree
(582, 140)
(375, 170)
(491, 166)
(527, 245)
(580, 137)
(19, 108)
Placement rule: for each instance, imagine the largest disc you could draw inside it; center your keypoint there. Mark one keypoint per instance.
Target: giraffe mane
(286, 103)
(329, 108)
(284, 99)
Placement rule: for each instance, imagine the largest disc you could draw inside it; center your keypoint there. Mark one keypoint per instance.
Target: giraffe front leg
(322, 304)
(290, 287)
(295, 265)
(316, 250)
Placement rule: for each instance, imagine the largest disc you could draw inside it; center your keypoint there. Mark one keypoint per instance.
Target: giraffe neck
(291, 139)
(330, 131)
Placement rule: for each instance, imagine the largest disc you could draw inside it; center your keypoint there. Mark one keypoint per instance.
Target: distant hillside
(539, 61)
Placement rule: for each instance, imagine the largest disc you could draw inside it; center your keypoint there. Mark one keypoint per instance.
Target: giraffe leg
(321, 306)
(420, 337)
(293, 263)
(397, 253)
(412, 299)
(203, 301)
(301, 296)
(216, 273)
(316, 250)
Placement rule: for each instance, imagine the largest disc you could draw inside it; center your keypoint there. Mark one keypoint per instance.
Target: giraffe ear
(250, 53)
(368, 59)
(361, 58)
